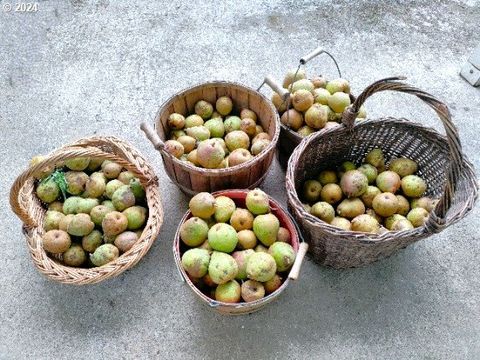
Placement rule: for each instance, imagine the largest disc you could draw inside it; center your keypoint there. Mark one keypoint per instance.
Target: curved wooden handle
(284, 94)
(152, 135)
(311, 55)
(295, 271)
(437, 217)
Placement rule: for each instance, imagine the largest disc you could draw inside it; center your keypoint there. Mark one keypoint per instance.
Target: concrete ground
(76, 68)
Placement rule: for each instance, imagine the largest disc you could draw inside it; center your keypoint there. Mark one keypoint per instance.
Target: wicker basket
(29, 209)
(244, 308)
(192, 179)
(449, 175)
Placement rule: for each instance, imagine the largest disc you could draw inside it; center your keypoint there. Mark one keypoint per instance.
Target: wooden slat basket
(29, 209)
(192, 179)
(446, 170)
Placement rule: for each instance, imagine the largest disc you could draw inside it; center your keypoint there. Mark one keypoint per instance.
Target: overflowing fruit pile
(216, 139)
(102, 214)
(235, 253)
(317, 103)
(396, 202)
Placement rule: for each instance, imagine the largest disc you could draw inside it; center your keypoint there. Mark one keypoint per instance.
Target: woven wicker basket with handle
(448, 173)
(29, 209)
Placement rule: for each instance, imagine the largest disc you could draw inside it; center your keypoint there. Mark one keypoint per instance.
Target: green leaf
(58, 176)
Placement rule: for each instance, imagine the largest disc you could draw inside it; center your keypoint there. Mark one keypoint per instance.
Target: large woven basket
(192, 179)
(448, 173)
(29, 209)
(238, 196)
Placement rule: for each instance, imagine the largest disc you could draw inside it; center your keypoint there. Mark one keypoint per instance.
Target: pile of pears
(216, 138)
(235, 254)
(370, 198)
(96, 210)
(314, 104)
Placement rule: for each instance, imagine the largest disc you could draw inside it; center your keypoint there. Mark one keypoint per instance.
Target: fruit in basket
(175, 134)
(56, 241)
(232, 123)
(319, 81)
(257, 202)
(44, 172)
(261, 248)
(273, 284)
(292, 118)
(302, 84)
(261, 266)
(199, 133)
(224, 208)
(252, 290)
(210, 154)
(418, 216)
(137, 190)
(302, 100)
(246, 239)
(413, 186)
(224, 105)
(202, 205)
(248, 114)
(77, 164)
(239, 156)
(283, 254)
(338, 102)
(74, 256)
(259, 146)
(104, 254)
(331, 193)
(241, 219)
(188, 143)
(385, 204)
(112, 186)
(111, 169)
(192, 157)
(56, 206)
(98, 213)
(222, 267)
(92, 241)
(338, 85)
(327, 177)
(193, 120)
(237, 139)
(369, 171)
(174, 148)
(283, 235)
(266, 228)
(222, 237)
(353, 183)
(85, 206)
(248, 126)
(316, 116)
(194, 231)
(424, 202)
(48, 190)
(403, 166)
(215, 127)
(136, 217)
(279, 103)
(390, 221)
(114, 223)
(63, 224)
(305, 130)
(350, 208)
(401, 225)
(176, 121)
(125, 177)
(369, 195)
(123, 198)
(52, 220)
(365, 223)
(195, 262)
(403, 205)
(292, 76)
(76, 181)
(375, 157)
(312, 190)
(228, 292)
(241, 257)
(341, 223)
(321, 96)
(323, 211)
(95, 185)
(261, 136)
(388, 181)
(204, 109)
(80, 225)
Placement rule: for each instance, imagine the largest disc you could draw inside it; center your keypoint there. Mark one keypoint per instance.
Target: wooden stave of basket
(250, 307)
(28, 208)
(337, 248)
(192, 179)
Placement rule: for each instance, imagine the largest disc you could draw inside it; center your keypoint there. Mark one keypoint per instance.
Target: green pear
(195, 262)
(266, 228)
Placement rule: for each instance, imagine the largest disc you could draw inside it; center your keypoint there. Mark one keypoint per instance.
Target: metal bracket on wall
(471, 70)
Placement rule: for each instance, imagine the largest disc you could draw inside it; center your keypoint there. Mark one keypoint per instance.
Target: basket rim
(356, 236)
(233, 169)
(295, 242)
(84, 276)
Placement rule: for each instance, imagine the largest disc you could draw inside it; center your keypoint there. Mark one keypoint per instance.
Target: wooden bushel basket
(192, 179)
(446, 170)
(29, 209)
(238, 196)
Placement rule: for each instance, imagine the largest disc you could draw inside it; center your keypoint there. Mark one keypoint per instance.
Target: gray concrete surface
(77, 68)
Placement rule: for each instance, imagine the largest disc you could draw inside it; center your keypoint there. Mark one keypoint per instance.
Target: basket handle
(270, 81)
(319, 50)
(28, 216)
(152, 135)
(295, 270)
(437, 219)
